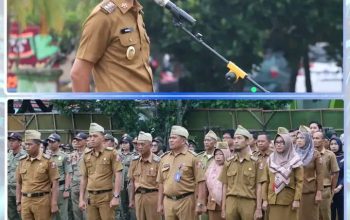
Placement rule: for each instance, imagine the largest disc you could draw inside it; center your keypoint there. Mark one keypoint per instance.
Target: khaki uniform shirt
(313, 174)
(291, 192)
(63, 164)
(144, 171)
(12, 163)
(241, 178)
(36, 175)
(75, 159)
(100, 167)
(187, 165)
(262, 157)
(330, 166)
(116, 42)
(205, 158)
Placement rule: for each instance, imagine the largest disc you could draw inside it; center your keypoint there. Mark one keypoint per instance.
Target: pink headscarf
(212, 175)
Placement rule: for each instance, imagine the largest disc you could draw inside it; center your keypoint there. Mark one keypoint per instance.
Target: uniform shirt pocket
(41, 174)
(128, 39)
(249, 177)
(231, 176)
(165, 172)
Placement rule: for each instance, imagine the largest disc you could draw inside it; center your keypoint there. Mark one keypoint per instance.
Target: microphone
(176, 11)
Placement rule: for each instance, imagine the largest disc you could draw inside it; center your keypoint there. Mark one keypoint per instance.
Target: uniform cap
(143, 136)
(242, 131)
(54, 137)
(94, 127)
(304, 129)
(178, 130)
(211, 134)
(32, 135)
(15, 136)
(222, 145)
(109, 137)
(81, 136)
(282, 130)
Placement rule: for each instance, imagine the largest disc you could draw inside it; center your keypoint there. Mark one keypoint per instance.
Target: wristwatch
(116, 195)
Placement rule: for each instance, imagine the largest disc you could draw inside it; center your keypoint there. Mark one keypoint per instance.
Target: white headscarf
(282, 164)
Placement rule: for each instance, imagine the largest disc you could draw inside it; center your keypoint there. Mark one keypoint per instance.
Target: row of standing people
(180, 172)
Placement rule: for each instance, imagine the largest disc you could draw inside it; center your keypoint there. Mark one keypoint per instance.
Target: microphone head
(161, 2)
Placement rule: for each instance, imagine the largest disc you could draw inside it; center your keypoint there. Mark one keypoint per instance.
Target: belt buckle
(94, 192)
(29, 195)
(142, 191)
(173, 197)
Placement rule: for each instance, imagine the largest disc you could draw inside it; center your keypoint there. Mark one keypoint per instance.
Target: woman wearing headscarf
(214, 186)
(284, 180)
(337, 206)
(313, 175)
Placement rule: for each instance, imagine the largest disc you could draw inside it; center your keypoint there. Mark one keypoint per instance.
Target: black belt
(180, 196)
(145, 190)
(61, 182)
(326, 186)
(29, 195)
(99, 191)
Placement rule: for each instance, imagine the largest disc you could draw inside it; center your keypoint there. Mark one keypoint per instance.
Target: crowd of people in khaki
(298, 174)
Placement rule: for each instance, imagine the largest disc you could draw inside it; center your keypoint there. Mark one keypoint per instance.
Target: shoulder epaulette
(109, 148)
(200, 153)
(156, 158)
(231, 158)
(46, 156)
(87, 150)
(253, 157)
(166, 153)
(23, 157)
(136, 157)
(108, 7)
(193, 153)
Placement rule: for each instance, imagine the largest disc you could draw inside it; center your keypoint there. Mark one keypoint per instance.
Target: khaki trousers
(98, 207)
(146, 206)
(37, 208)
(182, 209)
(239, 208)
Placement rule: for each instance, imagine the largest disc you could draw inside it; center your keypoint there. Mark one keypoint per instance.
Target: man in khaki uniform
(114, 45)
(241, 179)
(264, 151)
(180, 172)
(16, 152)
(98, 167)
(143, 175)
(330, 175)
(65, 171)
(79, 144)
(37, 181)
(210, 141)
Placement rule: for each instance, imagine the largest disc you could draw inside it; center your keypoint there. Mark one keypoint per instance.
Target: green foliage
(241, 30)
(154, 116)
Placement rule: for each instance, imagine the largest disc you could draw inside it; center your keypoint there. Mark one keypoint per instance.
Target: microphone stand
(234, 70)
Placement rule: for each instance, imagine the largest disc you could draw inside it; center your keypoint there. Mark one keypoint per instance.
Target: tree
(242, 30)
(48, 14)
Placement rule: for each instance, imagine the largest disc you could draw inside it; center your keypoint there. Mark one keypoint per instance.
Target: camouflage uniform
(64, 167)
(125, 212)
(76, 159)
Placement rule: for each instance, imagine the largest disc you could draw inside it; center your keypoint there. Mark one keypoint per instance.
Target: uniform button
(130, 39)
